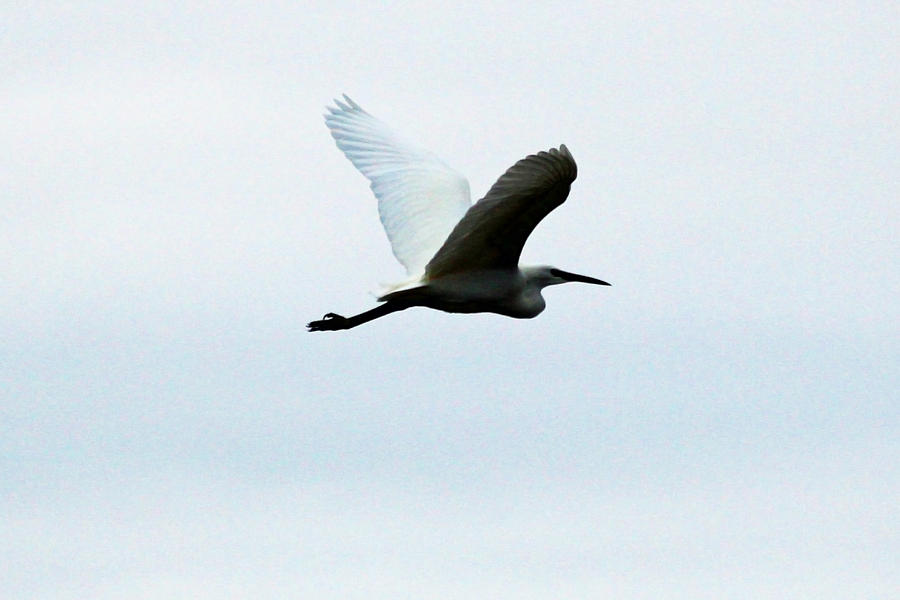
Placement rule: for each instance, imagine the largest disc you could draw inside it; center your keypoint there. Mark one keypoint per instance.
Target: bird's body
(502, 292)
(460, 258)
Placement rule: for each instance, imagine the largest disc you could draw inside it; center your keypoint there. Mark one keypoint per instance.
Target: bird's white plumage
(461, 258)
(420, 199)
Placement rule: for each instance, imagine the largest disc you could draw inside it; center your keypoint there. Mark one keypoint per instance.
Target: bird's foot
(330, 322)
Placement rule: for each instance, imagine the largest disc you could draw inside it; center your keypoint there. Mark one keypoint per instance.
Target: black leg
(333, 322)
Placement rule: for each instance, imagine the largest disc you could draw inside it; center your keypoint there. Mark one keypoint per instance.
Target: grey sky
(721, 423)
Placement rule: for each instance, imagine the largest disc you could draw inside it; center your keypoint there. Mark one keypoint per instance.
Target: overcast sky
(722, 422)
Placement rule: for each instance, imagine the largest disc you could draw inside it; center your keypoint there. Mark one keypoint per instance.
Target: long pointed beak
(576, 277)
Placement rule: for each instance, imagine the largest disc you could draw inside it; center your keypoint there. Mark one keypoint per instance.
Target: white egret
(460, 257)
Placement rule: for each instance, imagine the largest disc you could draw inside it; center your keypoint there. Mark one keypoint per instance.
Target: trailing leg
(333, 322)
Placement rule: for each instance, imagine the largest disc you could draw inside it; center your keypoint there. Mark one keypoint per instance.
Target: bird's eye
(555, 272)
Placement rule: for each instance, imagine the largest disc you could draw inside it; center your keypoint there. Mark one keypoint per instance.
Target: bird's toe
(330, 322)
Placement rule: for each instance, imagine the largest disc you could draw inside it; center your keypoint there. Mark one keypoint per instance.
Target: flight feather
(494, 230)
(420, 198)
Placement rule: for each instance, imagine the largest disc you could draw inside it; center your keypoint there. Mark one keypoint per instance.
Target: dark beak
(576, 277)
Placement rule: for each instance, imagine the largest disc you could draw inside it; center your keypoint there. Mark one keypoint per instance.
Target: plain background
(721, 423)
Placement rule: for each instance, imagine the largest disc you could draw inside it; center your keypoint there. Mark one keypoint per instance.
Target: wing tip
(351, 103)
(564, 153)
(347, 105)
(562, 150)
(558, 159)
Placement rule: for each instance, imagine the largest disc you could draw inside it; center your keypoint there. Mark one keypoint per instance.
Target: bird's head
(545, 275)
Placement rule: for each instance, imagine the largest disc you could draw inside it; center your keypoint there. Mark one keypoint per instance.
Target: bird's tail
(391, 288)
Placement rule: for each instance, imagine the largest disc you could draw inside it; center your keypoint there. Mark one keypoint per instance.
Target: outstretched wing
(420, 199)
(492, 233)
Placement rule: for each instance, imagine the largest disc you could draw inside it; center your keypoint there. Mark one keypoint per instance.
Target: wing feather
(494, 230)
(420, 199)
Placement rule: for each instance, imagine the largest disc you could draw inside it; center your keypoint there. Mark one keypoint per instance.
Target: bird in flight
(459, 257)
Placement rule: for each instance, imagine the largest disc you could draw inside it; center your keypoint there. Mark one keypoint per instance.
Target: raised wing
(420, 199)
(492, 233)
